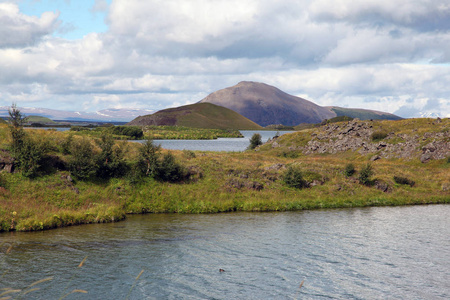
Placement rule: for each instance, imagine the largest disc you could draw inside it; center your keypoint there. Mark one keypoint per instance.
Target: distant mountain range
(106, 115)
(267, 105)
(253, 101)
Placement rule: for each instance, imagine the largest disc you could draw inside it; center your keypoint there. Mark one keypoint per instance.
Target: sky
(88, 55)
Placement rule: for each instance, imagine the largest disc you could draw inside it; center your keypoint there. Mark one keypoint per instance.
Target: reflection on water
(369, 253)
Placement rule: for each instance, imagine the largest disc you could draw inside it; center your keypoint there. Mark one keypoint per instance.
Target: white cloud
(158, 54)
(18, 30)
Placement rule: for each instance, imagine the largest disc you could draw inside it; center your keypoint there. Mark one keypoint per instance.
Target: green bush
(29, 157)
(289, 154)
(349, 170)
(79, 128)
(169, 170)
(148, 157)
(82, 163)
(66, 144)
(189, 154)
(134, 132)
(255, 141)
(378, 135)
(110, 161)
(365, 174)
(293, 177)
(404, 180)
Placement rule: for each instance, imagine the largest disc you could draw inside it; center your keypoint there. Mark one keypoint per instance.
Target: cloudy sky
(389, 55)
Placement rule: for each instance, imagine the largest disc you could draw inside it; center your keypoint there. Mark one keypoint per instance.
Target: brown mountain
(199, 115)
(266, 105)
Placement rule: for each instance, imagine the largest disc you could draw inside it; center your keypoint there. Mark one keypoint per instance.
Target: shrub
(404, 180)
(82, 164)
(148, 159)
(189, 154)
(16, 122)
(255, 141)
(134, 132)
(365, 174)
(293, 177)
(378, 135)
(170, 170)
(110, 161)
(66, 144)
(289, 154)
(79, 128)
(349, 170)
(29, 156)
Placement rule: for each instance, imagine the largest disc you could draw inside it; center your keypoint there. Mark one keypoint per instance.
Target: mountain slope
(267, 105)
(199, 115)
(363, 114)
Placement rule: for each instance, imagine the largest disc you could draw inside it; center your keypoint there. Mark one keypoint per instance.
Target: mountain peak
(267, 105)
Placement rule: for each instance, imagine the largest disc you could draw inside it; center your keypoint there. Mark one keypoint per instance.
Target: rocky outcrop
(6, 162)
(356, 136)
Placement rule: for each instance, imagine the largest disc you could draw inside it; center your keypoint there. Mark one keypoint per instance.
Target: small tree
(365, 174)
(148, 158)
(27, 152)
(16, 121)
(110, 160)
(293, 177)
(82, 164)
(170, 170)
(255, 141)
(349, 170)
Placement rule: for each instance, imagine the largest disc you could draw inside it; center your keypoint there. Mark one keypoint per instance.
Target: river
(361, 253)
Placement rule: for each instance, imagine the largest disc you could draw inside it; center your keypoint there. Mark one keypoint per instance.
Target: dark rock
(425, 157)
(274, 167)
(254, 185)
(375, 157)
(382, 186)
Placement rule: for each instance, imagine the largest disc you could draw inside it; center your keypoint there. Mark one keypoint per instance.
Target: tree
(293, 177)
(16, 122)
(82, 164)
(365, 174)
(255, 141)
(110, 160)
(148, 158)
(169, 170)
(27, 152)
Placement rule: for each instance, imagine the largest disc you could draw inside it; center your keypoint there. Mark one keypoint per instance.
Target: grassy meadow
(217, 182)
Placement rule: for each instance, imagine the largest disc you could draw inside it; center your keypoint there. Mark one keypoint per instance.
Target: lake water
(220, 144)
(362, 253)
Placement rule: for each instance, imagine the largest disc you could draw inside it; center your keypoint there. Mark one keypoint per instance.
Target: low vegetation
(83, 179)
(188, 133)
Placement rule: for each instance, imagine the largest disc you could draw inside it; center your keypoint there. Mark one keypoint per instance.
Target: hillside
(267, 105)
(409, 139)
(363, 114)
(199, 115)
(39, 120)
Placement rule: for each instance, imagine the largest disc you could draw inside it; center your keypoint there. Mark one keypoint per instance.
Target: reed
(134, 284)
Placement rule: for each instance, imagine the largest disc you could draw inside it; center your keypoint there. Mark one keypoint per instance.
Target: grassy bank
(218, 182)
(230, 182)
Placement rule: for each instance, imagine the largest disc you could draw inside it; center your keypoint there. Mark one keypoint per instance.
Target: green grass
(227, 183)
(187, 133)
(40, 120)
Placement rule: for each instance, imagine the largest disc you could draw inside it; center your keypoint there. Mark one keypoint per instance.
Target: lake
(220, 144)
(361, 253)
